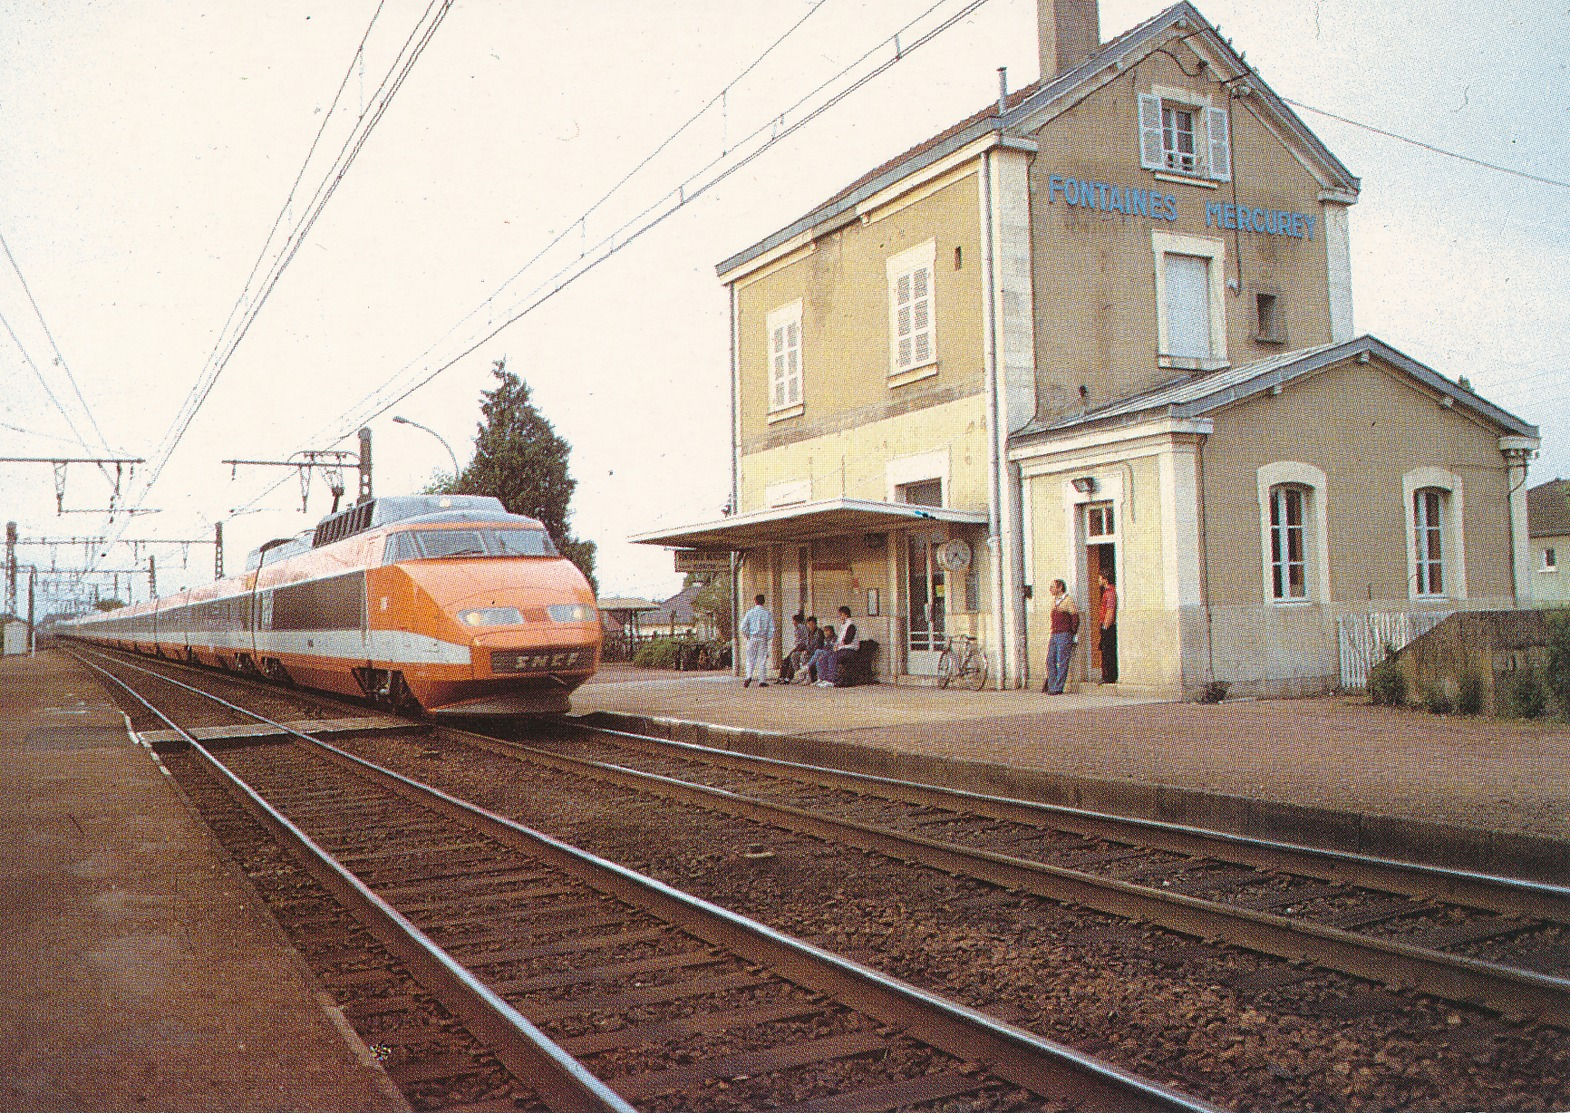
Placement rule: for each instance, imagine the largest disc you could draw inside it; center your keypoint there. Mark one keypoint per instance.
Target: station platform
(1493, 796)
(137, 969)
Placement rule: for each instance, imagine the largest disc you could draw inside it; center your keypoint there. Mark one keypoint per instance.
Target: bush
(1386, 684)
(656, 653)
(1436, 700)
(1215, 692)
(1557, 671)
(1524, 696)
(1469, 693)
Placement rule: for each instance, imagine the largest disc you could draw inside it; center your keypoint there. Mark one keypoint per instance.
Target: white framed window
(1435, 547)
(1190, 302)
(1289, 542)
(915, 475)
(1293, 539)
(913, 339)
(1550, 560)
(1099, 524)
(1428, 542)
(785, 372)
(1180, 133)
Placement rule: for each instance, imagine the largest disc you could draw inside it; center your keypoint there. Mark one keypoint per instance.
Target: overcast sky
(147, 150)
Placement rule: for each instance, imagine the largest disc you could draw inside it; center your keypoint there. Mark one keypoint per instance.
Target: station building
(1548, 517)
(1104, 325)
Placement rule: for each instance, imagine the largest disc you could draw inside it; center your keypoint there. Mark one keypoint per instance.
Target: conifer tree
(521, 460)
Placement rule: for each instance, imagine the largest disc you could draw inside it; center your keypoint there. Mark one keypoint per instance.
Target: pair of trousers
(758, 658)
(1109, 654)
(1060, 650)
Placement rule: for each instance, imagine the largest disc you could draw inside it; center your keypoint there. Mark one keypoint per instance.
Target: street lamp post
(433, 434)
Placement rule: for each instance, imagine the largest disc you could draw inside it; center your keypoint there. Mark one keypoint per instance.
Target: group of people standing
(815, 657)
(1065, 633)
(818, 651)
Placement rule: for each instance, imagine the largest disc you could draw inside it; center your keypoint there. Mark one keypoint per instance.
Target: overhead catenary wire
(356, 62)
(102, 446)
(378, 402)
(669, 203)
(1430, 147)
(391, 82)
(579, 223)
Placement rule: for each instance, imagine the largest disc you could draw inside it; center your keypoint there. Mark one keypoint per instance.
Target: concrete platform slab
(136, 970)
(1476, 793)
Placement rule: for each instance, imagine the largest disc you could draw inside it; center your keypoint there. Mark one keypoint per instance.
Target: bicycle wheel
(946, 668)
(974, 670)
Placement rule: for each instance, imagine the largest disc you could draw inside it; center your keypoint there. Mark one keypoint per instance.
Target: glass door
(926, 602)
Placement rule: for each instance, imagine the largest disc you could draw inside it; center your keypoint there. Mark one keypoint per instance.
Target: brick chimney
(1068, 31)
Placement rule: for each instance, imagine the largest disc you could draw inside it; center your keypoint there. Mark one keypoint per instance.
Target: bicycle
(962, 662)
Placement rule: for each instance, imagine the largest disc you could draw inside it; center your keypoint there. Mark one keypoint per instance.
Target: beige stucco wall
(852, 462)
(842, 282)
(1095, 284)
(1148, 624)
(1365, 427)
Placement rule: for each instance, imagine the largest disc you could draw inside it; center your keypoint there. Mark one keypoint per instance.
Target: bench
(859, 667)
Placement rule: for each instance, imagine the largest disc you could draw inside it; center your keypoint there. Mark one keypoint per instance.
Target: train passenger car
(444, 603)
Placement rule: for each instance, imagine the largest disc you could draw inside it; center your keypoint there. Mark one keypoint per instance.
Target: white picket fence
(1363, 638)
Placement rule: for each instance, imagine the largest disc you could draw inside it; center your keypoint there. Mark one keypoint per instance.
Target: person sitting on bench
(845, 647)
(821, 666)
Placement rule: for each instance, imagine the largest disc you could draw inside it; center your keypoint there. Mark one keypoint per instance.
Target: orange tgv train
(446, 604)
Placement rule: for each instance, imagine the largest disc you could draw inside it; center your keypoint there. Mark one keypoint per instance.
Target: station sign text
(1137, 201)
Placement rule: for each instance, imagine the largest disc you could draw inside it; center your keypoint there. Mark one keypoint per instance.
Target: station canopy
(795, 523)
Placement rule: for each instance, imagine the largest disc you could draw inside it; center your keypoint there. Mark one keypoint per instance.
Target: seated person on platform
(848, 643)
(793, 659)
(814, 645)
(820, 668)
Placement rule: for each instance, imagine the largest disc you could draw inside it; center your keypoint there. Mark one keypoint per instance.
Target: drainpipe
(735, 483)
(997, 443)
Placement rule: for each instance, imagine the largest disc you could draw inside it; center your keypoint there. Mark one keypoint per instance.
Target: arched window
(1428, 540)
(1294, 542)
(1436, 548)
(1289, 542)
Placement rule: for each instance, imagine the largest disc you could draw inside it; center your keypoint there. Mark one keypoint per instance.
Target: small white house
(13, 638)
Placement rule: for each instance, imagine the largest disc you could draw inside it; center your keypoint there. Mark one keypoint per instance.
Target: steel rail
(1506, 989)
(1046, 1068)
(1538, 899)
(530, 1055)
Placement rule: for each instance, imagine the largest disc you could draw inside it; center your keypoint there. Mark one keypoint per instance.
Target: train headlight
(571, 614)
(477, 617)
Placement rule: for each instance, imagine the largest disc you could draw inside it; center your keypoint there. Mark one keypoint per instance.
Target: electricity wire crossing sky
(247, 232)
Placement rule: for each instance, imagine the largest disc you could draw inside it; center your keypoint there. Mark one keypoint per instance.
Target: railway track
(1497, 943)
(599, 988)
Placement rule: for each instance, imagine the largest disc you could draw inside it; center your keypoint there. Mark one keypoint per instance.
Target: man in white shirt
(757, 629)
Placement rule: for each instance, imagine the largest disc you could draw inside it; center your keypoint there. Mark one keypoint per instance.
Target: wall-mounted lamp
(1086, 485)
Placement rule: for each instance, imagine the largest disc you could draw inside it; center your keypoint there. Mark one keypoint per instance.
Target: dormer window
(1177, 138)
(1185, 137)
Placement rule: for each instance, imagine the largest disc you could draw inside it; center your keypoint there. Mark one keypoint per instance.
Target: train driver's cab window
(468, 542)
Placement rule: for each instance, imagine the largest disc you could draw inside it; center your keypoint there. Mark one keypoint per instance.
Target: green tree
(105, 604)
(521, 460)
(715, 599)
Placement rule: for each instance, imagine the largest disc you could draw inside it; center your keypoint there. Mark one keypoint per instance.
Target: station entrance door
(926, 596)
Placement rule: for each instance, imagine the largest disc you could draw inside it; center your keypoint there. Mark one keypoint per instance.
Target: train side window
(528, 543)
(400, 547)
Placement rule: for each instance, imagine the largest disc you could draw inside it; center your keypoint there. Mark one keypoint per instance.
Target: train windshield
(469, 543)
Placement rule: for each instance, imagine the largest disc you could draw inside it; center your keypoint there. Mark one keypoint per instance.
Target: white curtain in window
(1188, 306)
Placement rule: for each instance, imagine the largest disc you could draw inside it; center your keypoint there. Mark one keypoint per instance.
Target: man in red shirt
(1109, 627)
